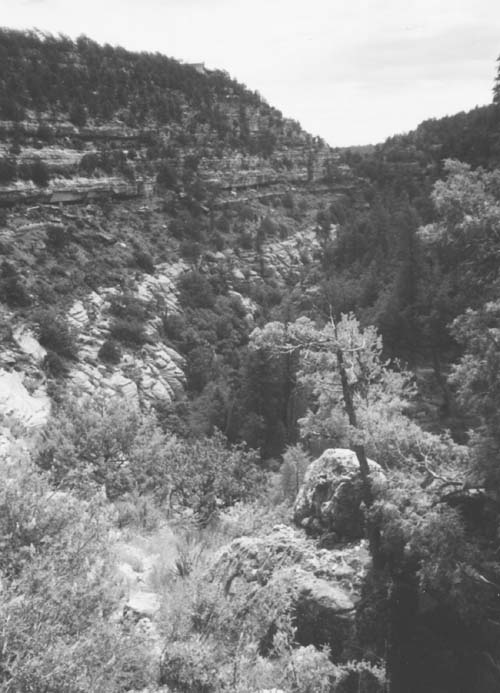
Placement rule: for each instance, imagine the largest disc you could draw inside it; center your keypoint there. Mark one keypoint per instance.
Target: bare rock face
(31, 410)
(150, 374)
(286, 570)
(330, 499)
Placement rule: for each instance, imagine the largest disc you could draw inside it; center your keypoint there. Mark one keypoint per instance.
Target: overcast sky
(352, 71)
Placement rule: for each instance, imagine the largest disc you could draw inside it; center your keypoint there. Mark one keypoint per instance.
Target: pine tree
(496, 86)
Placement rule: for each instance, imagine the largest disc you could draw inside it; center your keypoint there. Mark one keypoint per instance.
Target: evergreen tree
(496, 86)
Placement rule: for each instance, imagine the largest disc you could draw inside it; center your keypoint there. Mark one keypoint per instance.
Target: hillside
(121, 174)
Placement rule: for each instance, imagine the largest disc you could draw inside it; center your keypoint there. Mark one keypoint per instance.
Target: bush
(87, 445)
(56, 335)
(54, 366)
(130, 331)
(58, 593)
(288, 201)
(268, 227)
(126, 306)
(7, 170)
(144, 261)
(12, 289)
(218, 241)
(245, 212)
(245, 240)
(40, 173)
(78, 114)
(190, 250)
(293, 469)
(189, 667)
(196, 291)
(110, 352)
(94, 442)
(57, 237)
(174, 326)
(359, 677)
(89, 163)
(218, 477)
(44, 132)
(167, 176)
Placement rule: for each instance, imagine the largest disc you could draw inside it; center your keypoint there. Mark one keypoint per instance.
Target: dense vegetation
(379, 266)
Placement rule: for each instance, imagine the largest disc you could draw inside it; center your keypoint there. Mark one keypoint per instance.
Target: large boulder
(323, 610)
(285, 572)
(330, 500)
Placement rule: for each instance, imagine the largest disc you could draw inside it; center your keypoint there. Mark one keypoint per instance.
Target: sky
(352, 71)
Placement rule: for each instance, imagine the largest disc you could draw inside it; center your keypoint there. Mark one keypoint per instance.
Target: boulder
(323, 611)
(285, 569)
(330, 500)
(28, 343)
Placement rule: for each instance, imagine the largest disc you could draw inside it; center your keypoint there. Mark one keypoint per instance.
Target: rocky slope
(104, 212)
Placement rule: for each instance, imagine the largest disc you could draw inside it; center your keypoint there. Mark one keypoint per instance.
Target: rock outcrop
(152, 373)
(286, 570)
(30, 410)
(77, 189)
(330, 500)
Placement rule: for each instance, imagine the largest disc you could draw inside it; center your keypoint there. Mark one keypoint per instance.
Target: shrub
(196, 290)
(189, 666)
(222, 223)
(144, 261)
(57, 237)
(245, 212)
(7, 170)
(295, 463)
(246, 240)
(268, 227)
(12, 290)
(87, 444)
(359, 677)
(219, 475)
(78, 114)
(58, 593)
(110, 352)
(311, 670)
(288, 201)
(89, 163)
(137, 512)
(218, 241)
(94, 442)
(40, 173)
(126, 305)
(45, 133)
(190, 250)
(130, 331)
(55, 334)
(54, 366)
(167, 176)
(174, 325)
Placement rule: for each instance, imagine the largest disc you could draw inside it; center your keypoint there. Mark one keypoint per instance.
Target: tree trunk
(373, 531)
(403, 598)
